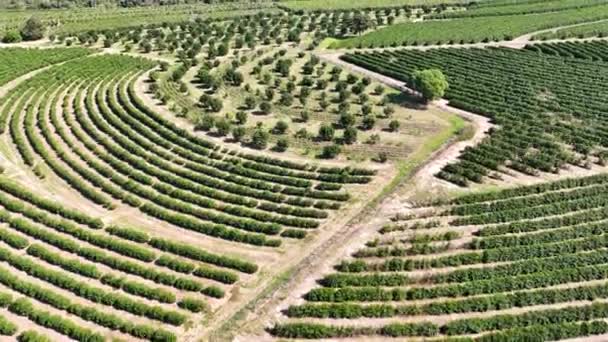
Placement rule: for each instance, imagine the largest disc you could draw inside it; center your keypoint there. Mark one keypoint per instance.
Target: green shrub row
(24, 307)
(51, 160)
(121, 247)
(128, 233)
(192, 304)
(54, 207)
(203, 178)
(99, 256)
(581, 217)
(32, 336)
(554, 332)
(345, 280)
(294, 233)
(532, 189)
(589, 202)
(175, 264)
(553, 235)
(177, 189)
(497, 285)
(139, 289)
(173, 133)
(321, 331)
(13, 239)
(468, 326)
(199, 254)
(96, 295)
(526, 202)
(71, 265)
(7, 328)
(210, 229)
(516, 268)
(501, 301)
(217, 275)
(487, 256)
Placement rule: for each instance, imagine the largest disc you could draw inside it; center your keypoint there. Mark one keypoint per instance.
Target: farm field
(528, 91)
(471, 30)
(483, 10)
(280, 89)
(224, 220)
(72, 21)
(303, 170)
(514, 265)
(344, 4)
(597, 29)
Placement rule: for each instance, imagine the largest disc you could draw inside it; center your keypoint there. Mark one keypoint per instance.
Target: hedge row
(532, 189)
(71, 265)
(24, 308)
(96, 295)
(500, 301)
(54, 207)
(32, 336)
(52, 161)
(522, 282)
(554, 235)
(192, 304)
(527, 202)
(139, 289)
(565, 261)
(510, 321)
(98, 256)
(198, 254)
(188, 181)
(12, 239)
(318, 331)
(62, 225)
(132, 234)
(585, 216)
(142, 148)
(7, 328)
(344, 280)
(487, 256)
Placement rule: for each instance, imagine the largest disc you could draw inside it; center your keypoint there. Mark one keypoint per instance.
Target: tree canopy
(33, 29)
(431, 83)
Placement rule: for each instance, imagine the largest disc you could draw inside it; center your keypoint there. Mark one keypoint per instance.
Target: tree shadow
(407, 100)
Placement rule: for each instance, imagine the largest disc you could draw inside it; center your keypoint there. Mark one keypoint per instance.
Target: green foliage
(32, 336)
(11, 36)
(33, 29)
(326, 132)
(431, 83)
(259, 139)
(193, 305)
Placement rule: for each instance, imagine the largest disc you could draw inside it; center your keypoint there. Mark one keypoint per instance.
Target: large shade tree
(430, 83)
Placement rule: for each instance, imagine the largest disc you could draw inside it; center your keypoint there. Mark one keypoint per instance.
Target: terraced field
(530, 96)
(526, 263)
